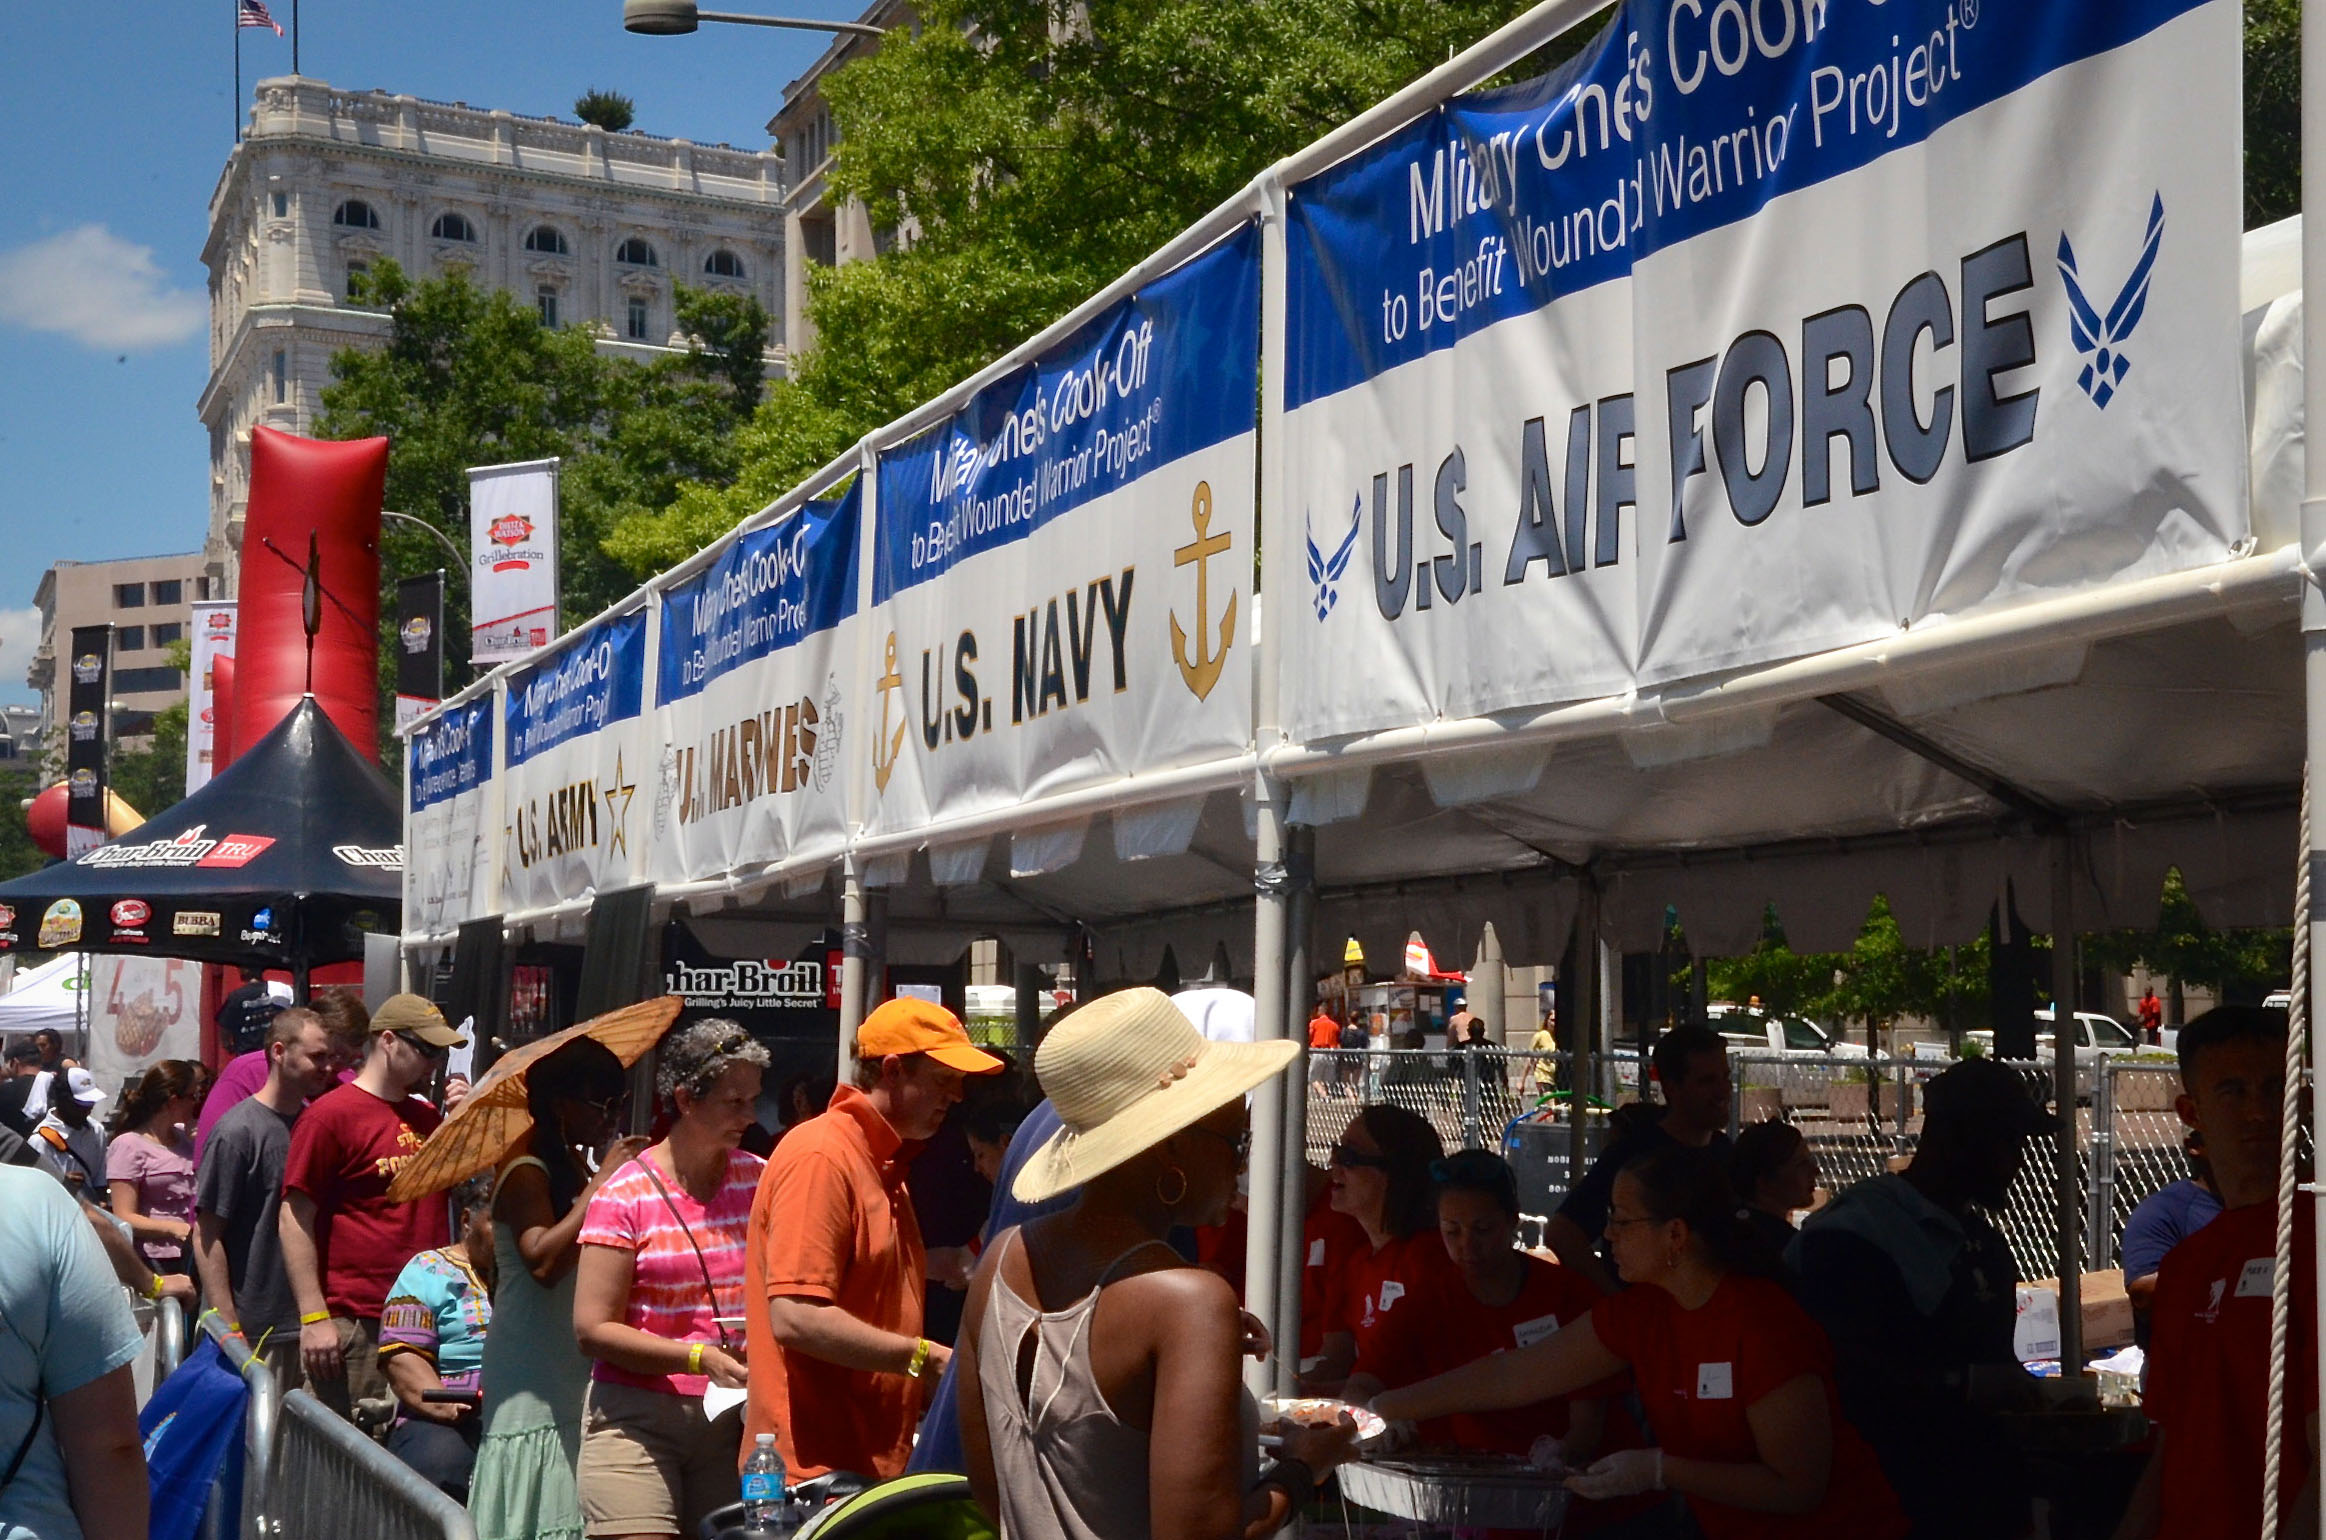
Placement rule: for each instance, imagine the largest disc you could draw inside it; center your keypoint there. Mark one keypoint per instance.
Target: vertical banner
(749, 698)
(449, 829)
(142, 1010)
(1758, 330)
(213, 638)
(1062, 569)
(88, 725)
(419, 645)
(576, 755)
(512, 526)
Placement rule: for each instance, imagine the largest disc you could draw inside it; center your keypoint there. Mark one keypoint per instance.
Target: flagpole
(237, 71)
(294, 37)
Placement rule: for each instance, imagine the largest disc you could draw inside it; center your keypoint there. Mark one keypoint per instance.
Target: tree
(20, 781)
(2186, 951)
(1037, 149)
(469, 376)
(609, 110)
(2273, 110)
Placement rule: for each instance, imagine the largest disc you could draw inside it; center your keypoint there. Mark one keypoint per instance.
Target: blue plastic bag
(192, 1429)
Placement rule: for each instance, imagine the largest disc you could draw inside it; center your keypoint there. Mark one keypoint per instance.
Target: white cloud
(98, 289)
(19, 640)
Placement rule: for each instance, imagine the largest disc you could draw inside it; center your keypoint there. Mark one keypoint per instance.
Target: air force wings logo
(1325, 572)
(2100, 339)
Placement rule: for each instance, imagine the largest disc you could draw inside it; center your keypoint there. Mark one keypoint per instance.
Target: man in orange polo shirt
(834, 1268)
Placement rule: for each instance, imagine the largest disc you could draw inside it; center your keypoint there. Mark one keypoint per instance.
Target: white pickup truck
(1792, 1037)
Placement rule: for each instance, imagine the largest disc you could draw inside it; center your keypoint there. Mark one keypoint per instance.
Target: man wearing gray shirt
(239, 1192)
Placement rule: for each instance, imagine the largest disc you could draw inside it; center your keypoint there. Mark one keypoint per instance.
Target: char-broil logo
(193, 847)
(1325, 572)
(2100, 338)
(416, 633)
(386, 857)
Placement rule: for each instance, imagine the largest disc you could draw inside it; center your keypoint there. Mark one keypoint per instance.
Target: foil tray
(1498, 1494)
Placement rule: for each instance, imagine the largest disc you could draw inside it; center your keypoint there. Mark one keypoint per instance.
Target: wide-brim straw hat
(1126, 1072)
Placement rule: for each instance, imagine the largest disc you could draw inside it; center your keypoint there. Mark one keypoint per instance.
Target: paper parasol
(489, 1127)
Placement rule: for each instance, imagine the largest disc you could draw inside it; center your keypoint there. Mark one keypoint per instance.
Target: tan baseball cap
(418, 1016)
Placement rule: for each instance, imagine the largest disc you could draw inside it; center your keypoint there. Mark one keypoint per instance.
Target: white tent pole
(2314, 528)
(2063, 1072)
(854, 947)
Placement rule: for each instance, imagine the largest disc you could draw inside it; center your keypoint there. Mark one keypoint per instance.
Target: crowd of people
(587, 1340)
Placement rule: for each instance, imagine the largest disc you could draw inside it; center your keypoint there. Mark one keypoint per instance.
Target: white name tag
(2254, 1281)
(1715, 1382)
(1391, 1292)
(1531, 1332)
(1316, 1252)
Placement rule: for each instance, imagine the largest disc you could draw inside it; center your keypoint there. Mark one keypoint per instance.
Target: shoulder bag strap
(686, 1230)
(16, 1462)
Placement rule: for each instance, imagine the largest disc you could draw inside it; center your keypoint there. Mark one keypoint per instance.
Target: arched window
(453, 227)
(544, 238)
(637, 253)
(723, 264)
(355, 214)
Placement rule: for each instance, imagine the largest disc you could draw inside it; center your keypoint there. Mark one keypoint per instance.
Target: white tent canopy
(49, 997)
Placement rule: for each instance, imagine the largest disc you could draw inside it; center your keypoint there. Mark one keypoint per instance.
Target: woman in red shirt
(1736, 1380)
(1381, 1179)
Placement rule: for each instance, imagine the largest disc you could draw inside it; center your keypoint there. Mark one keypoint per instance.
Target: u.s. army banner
(451, 832)
(1061, 570)
(1761, 328)
(750, 704)
(578, 778)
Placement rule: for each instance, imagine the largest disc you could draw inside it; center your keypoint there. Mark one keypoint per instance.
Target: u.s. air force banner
(578, 780)
(451, 831)
(1763, 327)
(750, 704)
(1062, 569)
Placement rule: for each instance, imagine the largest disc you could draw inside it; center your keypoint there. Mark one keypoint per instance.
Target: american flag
(253, 13)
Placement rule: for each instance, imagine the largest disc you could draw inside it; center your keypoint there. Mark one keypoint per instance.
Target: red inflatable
(301, 487)
(44, 818)
(221, 712)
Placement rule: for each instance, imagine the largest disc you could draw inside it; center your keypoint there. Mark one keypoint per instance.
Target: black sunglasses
(1349, 1159)
(422, 1046)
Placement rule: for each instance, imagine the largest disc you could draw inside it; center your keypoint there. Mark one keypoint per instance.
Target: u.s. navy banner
(450, 828)
(577, 768)
(750, 697)
(1763, 327)
(1061, 570)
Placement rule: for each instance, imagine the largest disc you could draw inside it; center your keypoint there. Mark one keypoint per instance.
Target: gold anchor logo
(885, 744)
(1204, 672)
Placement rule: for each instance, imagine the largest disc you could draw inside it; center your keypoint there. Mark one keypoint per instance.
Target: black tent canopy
(282, 861)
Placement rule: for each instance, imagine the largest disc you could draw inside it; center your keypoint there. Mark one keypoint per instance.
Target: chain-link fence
(1858, 1116)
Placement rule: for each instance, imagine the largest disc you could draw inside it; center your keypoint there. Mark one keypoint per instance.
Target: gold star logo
(618, 794)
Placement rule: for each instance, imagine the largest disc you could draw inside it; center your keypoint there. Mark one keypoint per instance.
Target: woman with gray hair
(658, 1293)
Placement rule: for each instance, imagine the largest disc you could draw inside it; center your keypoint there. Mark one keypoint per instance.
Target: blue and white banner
(1763, 327)
(1062, 570)
(450, 828)
(577, 768)
(754, 655)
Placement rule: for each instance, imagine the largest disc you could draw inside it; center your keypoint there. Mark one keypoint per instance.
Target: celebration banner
(1062, 569)
(749, 697)
(512, 565)
(213, 637)
(575, 757)
(1763, 327)
(451, 831)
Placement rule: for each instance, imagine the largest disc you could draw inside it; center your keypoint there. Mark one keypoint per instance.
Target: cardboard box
(2107, 1308)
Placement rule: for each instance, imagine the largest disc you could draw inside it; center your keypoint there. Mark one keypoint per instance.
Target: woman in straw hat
(1085, 1332)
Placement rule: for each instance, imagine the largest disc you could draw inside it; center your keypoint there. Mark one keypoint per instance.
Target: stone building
(148, 601)
(820, 230)
(589, 226)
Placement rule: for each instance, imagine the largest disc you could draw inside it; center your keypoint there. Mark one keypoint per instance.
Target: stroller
(931, 1505)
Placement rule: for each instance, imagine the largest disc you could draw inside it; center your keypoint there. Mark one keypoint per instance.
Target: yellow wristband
(920, 1359)
(694, 1358)
(315, 1318)
(153, 1290)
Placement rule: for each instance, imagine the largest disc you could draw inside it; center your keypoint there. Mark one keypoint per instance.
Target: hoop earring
(1175, 1199)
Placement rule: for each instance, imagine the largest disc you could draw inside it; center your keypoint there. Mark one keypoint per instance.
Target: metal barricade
(169, 1338)
(330, 1479)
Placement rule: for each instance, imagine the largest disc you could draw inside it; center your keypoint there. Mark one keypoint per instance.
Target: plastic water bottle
(763, 1501)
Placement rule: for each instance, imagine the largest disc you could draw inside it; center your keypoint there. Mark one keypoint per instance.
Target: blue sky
(120, 114)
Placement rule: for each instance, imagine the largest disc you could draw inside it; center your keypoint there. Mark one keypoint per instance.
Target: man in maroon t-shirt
(343, 1241)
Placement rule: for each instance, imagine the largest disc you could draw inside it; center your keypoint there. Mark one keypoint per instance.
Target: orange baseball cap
(915, 1026)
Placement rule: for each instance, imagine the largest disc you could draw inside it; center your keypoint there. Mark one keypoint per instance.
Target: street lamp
(668, 18)
(459, 561)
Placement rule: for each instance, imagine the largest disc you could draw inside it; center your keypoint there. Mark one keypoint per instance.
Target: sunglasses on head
(1349, 1159)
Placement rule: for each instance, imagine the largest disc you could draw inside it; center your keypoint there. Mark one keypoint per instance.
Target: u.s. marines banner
(751, 705)
(1062, 569)
(1763, 327)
